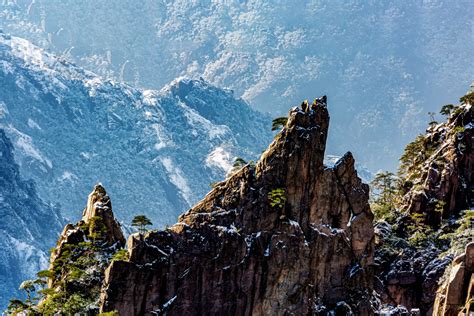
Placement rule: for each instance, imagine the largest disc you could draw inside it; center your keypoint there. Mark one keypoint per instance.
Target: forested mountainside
(385, 64)
(27, 228)
(157, 151)
(71, 129)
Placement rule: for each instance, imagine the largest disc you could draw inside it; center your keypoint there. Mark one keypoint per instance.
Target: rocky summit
(287, 235)
(80, 257)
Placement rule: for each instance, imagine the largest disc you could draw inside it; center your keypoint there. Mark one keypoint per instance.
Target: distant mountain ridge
(71, 129)
(385, 64)
(28, 227)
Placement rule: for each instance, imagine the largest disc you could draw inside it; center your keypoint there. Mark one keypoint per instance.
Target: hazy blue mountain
(28, 226)
(155, 151)
(384, 64)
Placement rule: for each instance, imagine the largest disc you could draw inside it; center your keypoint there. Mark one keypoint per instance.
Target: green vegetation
(239, 163)
(468, 98)
(432, 118)
(35, 291)
(446, 109)
(412, 157)
(75, 277)
(121, 255)
(420, 234)
(113, 313)
(97, 228)
(458, 129)
(462, 235)
(277, 198)
(429, 227)
(279, 123)
(141, 221)
(384, 196)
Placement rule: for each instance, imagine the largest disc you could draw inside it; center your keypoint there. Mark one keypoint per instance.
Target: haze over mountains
(383, 64)
(158, 151)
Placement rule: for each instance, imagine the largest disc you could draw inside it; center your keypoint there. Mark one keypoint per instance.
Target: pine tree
(446, 109)
(141, 221)
(384, 192)
(279, 122)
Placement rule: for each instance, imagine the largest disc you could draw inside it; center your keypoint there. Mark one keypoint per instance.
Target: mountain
(285, 235)
(155, 151)
(424, 248)
(384, 64)
(24, 242)
(291, 235)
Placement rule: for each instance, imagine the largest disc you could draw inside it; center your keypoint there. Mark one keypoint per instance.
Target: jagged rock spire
(82, 253)
(99, 211)
(288, 236)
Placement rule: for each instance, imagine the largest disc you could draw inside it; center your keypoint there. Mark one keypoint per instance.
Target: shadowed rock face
(240, 251)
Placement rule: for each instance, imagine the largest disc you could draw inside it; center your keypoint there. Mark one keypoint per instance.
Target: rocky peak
(99, 208)
(434, 221)
(288, 235)
(80, 257)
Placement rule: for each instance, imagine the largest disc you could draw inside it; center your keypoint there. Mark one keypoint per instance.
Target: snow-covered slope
(384, 64)
(155, 151)
(28, 226)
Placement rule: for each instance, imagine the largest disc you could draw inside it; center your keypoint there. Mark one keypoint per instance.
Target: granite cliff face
(418, 255)
(455, 296)
(447, 173)
(286, 236)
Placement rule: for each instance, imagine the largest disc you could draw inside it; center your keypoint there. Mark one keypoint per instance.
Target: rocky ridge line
(287, 236)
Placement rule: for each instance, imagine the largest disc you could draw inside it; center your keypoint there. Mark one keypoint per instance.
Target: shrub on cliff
(279, 122)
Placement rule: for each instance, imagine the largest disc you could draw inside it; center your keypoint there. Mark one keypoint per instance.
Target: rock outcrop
(80, 258)
(286, 236)
(98, 222)
(456, 294)
(443, 184)
(434, 223)
(99, 207)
